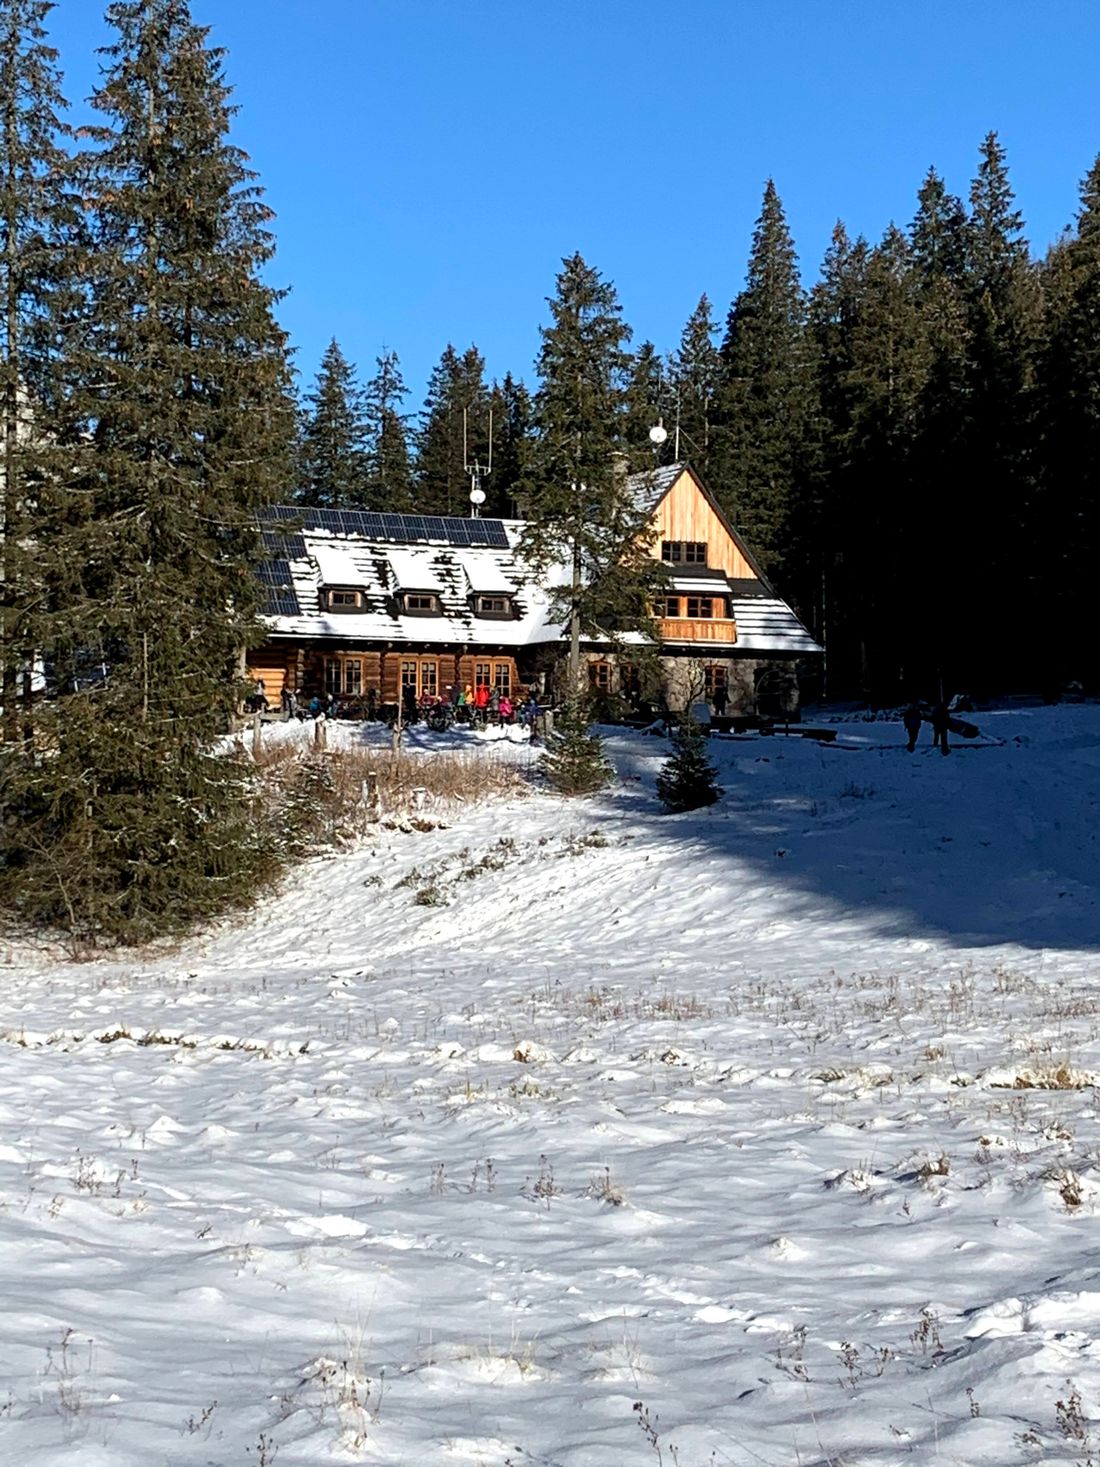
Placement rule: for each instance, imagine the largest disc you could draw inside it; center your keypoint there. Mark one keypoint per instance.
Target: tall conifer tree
(178, 378)
(1066, 538)
(694, 377)
(389, 471)
(888, 514)
(992, 528)
(37, 217)
(765, 394)
(454, 431)
(333, 451)
(511, 404)
(941, 473)
(580, 512)
(644, 404)
(835, 304)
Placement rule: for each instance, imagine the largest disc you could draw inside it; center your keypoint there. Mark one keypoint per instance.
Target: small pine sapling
(688, 780)
(574, 760)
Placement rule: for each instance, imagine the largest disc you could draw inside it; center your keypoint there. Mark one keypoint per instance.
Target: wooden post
(320, 734)
(257, 740)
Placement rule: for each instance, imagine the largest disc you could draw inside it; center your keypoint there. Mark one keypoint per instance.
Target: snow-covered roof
(378, 565)
(699, 585)
(767, 624)
(648, 488)
(485, 574)
(336, 564)
(413, 570)
(479, 556)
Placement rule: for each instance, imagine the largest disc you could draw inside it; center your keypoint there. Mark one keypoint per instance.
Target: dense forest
(910, 445)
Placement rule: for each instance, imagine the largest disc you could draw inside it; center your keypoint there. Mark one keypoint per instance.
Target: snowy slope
(740, 1115)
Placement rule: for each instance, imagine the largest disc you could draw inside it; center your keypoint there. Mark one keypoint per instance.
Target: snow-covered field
(779, 1119)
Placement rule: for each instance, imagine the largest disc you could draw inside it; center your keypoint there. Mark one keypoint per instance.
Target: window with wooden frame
(684, 552)
(483, 675)
(420, 601)
(429, 679)
(599, 676)
(672, 606)
(494, 605)
(700, 607)
(502, 678)
(408, 675)
(344, 675)
(344, 600)
(715, 676)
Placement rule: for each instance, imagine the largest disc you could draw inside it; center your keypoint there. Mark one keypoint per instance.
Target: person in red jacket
(481, 702)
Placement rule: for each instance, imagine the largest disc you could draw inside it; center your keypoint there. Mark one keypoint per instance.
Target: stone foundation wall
(755, 685)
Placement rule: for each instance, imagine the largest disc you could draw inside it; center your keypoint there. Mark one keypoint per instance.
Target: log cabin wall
(275, 668)
(684, 514)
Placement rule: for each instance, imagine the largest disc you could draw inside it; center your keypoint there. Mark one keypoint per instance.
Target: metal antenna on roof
(475, 470)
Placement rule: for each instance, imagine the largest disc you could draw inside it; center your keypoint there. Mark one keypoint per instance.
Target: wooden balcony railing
(701, 629)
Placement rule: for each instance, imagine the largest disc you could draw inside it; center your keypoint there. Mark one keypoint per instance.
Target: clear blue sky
(431, 161)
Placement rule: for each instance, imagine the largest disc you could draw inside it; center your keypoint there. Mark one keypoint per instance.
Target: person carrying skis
(912, 718)
(941, 721)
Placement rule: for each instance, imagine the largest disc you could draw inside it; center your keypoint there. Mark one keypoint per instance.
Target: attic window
(420, 601)
(684, 552)
(344, 600)
(494, 605)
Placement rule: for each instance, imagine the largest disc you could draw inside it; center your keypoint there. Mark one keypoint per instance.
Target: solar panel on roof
(289, 546)
(274, 573)
(282, 603)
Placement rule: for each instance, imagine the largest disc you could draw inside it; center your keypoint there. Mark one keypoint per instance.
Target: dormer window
(493, 605)
(345, 600)
(420, 603)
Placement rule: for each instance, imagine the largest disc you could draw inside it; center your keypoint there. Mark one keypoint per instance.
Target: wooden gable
(687, 513)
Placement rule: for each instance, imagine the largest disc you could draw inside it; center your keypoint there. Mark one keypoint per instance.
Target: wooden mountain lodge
(365, 605)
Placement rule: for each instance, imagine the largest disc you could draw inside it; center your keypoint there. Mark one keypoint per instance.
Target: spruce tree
(573, 760)
(389, 471)
(333, 451)
(887, 512)
(1065, 543)
(837, 524)
(765, 403)
(940, 470)
(939, 234)
(644, 405)
(454, 431)
(581, 514)
(687, 780)
(511, 404)
(178, 396)
(993, 525)
(37, 219)
(694, 376)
